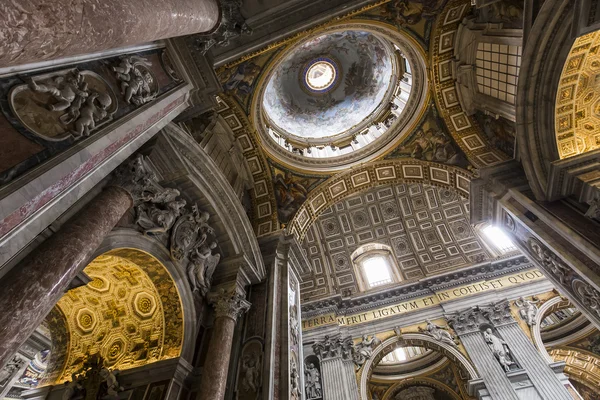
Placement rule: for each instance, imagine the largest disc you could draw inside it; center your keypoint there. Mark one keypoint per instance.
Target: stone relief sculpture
(364, 349)
(251, 364)
(10, 369)
(202, 265)
(499, 348)
(295, 391)
(416, 393)
(159, 211)
(68, 103)
(527, 309)
(138, 85)
(439, 333)
(294, 324)
(312, 382)
(190, 231)
(233, 24)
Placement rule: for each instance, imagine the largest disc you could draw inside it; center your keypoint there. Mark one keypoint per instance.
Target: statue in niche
(138, 86)
(10, 369)
(439, 333)
(85, 106)
(312, 382)
(364, 349)
(201, 267)
(252, 366)
(499, 348)
(527, 309)
(159, 211)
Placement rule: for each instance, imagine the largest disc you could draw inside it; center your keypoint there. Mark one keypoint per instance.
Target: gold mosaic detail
(130, 313)
(577, 110)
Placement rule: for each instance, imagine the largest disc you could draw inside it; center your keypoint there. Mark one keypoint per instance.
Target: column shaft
(34, 286)
(541, 375)
(493, 375)
(339, 379)
(214, 376)
(41, 30)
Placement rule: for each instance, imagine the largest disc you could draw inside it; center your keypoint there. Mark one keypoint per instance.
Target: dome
(329, 84)
(340, 97)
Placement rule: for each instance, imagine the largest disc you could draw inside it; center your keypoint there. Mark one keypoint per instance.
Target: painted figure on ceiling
(290, 195)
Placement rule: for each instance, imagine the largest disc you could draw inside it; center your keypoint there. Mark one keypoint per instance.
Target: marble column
(228, 307)
(337, 369)
(511, 367)
(41, 30)
(30, 290)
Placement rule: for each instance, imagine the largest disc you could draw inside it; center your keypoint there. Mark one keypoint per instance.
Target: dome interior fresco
(427, 228)
(363, 71)
(577, 122)
(130, 314)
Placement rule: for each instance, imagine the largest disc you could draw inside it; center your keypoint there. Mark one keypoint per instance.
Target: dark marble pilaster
(41, 30)
(228, 307)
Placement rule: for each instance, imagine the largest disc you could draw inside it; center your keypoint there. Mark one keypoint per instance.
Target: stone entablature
(370, 300)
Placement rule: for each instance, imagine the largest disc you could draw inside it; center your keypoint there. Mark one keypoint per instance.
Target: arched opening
(130, 314)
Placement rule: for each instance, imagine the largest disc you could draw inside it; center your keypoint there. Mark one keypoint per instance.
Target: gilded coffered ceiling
(577, 123)
(427, 228)
(130, 313)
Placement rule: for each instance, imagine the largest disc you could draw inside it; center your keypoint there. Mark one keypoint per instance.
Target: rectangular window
(502, 58)
(377, 271)
(498, 238)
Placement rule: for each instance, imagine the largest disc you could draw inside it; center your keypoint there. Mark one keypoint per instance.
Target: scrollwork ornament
(227, 304)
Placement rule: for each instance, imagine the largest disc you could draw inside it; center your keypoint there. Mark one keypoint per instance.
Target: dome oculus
(320, 75)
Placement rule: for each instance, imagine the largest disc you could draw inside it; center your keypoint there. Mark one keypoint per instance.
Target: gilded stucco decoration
(577, 121)
(581, 366)
(464, 128)
(130, 313)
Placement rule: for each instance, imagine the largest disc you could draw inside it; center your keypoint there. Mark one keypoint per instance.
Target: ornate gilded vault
(426, 227)
(578, 99)
(130, 313)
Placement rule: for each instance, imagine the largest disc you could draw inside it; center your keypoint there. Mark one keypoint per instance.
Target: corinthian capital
(228, 304)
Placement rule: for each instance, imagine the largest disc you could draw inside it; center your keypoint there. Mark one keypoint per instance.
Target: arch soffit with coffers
(378, 173)
(549, 39)
(464, 128)
(411, 339)
(399, 386)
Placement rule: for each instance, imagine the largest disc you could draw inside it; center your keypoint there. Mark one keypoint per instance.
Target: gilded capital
(228, 304)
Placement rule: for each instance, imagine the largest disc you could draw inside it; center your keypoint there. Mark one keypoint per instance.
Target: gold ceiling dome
(343, 95)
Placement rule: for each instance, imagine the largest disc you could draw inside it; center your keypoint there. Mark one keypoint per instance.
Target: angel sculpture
(364, 349)
(69, 91)
(527, 309)
(73, 388)
(201, 267)
(159, 211)
(136, 82)
(252, 366)
(112, 385)
(439, 333)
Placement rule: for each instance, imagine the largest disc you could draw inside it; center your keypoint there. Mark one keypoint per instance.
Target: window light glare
(498, 238)
(377, 271)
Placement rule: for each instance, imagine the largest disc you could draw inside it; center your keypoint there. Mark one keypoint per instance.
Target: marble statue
(439, 333)
(159, 211)
(137, 83)
(252, 365)
(312, 382)
(68, 91)
(112, 385)
(294, 324)
(10, 369)
(499, 348)
(201, 267)
(527, 309)
(364, 349)
(294, 381)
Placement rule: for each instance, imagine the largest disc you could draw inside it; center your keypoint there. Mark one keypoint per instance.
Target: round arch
(549, 39)
(397, 387)
(411, 339)
(364, 177)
